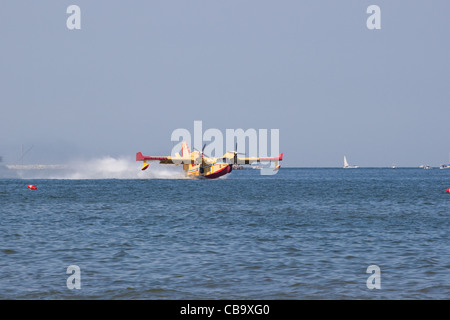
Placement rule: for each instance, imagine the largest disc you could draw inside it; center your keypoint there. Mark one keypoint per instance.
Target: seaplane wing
(258, 159)
(231, 157)
(186, 158)
(166, 159)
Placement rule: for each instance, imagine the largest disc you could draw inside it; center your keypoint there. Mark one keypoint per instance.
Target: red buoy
(31, 187)
(448, 190)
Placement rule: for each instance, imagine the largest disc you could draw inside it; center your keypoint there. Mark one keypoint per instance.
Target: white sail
(346, 165)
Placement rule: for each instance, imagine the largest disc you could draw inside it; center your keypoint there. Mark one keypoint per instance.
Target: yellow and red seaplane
(197, 165)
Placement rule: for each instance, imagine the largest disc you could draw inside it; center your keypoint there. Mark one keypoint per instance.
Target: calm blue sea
(299, 234)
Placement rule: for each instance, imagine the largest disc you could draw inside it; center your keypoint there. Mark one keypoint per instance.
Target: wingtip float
(197, 165)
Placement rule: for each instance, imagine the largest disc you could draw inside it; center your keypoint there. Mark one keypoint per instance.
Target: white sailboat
(347, 166)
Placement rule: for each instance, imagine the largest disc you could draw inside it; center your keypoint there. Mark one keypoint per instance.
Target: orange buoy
(448, 190)
(31, 187)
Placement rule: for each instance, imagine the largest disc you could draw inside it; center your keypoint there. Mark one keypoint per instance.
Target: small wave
(8, 251)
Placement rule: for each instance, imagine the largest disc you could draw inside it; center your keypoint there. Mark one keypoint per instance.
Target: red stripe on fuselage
(219, 173)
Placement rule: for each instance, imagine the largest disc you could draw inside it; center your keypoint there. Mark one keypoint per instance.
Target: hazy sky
(137, 70)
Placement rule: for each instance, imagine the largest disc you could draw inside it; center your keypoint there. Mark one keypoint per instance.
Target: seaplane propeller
(235, 154)
(201, 168)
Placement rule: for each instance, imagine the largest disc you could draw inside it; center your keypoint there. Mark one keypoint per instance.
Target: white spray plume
(106, 168)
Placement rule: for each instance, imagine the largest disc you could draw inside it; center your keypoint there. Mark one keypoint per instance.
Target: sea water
(299, 234)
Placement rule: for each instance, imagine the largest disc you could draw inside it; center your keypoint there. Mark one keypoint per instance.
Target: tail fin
(139, 156)
(185, 149)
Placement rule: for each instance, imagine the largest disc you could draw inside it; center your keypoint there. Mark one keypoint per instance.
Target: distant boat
(427, 167)
(347, 166)
(446, 166)
(394, 167)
